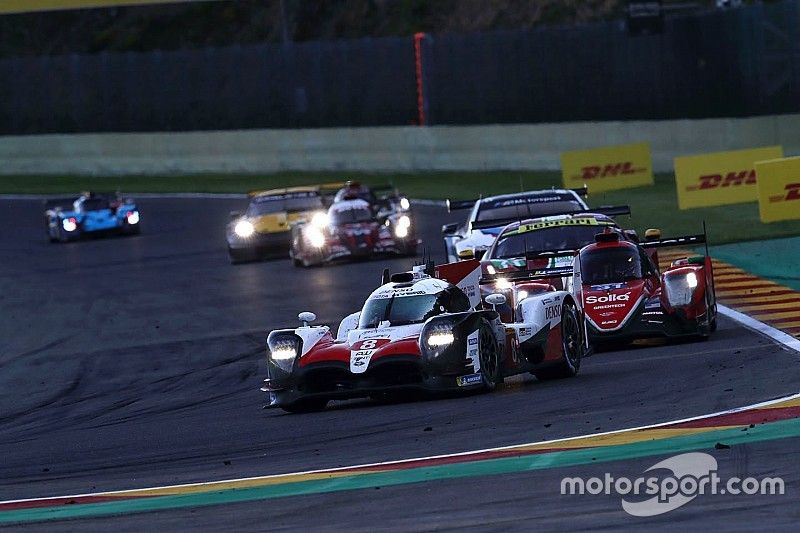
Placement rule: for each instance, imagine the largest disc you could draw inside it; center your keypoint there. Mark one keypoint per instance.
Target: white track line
(765, 329)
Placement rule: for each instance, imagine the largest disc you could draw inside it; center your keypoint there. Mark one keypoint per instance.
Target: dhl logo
(791, 192)
(731, 179)
(607, 171)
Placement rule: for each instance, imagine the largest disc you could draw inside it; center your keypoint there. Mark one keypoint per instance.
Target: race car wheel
(489, 354)
(306, 406)
(571, 346)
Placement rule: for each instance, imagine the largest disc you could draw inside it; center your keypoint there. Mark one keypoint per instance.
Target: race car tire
(571, 345)
(311, 405)
(489, 354)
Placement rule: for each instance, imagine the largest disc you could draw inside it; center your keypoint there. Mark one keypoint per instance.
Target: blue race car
(90, 213)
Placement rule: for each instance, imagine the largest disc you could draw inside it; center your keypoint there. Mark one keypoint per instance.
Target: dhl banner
(779, 189)
(720, 178)
(608, 168)
(23, 6)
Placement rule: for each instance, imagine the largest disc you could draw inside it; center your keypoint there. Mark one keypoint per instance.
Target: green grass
(655, 206)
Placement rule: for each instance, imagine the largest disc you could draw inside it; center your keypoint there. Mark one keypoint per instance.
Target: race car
(488, 216)
(625, 297)
(518, 245)
(266, 227)
(420, 332)
(350, 229)
(382, 203)
(91, 213)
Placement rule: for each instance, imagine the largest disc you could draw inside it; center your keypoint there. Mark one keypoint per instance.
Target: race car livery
(488, 216)
(625, 297)
(419, 332)
(265, 228)
(384, 201)
(350, 229)
(68, 219)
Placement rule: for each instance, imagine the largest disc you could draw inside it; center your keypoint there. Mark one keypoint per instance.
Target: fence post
(422, 102)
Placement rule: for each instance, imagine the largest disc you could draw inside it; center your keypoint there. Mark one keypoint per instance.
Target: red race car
(626, 297)
(351, 229)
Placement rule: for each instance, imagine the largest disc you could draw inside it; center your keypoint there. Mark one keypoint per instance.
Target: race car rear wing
(608, 210)
(59, 203)
(686, 240)
(467, 204)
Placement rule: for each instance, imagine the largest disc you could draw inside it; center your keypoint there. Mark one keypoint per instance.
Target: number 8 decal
(368, 344)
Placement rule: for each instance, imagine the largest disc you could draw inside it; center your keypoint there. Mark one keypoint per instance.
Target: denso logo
(610, 298)
(792, 193)
(610, 170)
(731, 179)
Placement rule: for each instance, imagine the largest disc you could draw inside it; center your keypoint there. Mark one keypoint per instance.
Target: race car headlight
(319, 220)
(502, 284)
(315, 237)
(680, 288)
(69, 224)
(133, 217)
(439, 335)
(404, 221)
(404, 204)
(401, 232)
(244, 229)
(283, 352)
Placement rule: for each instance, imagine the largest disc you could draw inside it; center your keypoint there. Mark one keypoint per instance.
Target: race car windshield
(529, 210)
(267, 206)
(610, 265)
(348, 216)
(399, 311)
(548, 239)
(95, 204)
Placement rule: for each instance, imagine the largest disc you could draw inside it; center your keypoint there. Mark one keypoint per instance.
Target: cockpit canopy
(612, 264)
(349, 212)
(417, 307)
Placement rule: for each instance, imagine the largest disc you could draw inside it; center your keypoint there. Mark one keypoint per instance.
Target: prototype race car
(384, 201)
(519, 245)
(350, 229)
(266, 227)
(625, 297)
(488, 216)
(91, 213)
(418, 332)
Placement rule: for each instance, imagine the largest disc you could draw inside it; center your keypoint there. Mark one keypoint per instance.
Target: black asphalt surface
(136, 361)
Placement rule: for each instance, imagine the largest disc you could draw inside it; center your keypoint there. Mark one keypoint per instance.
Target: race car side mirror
(496, 299)
(450, 229)
(306, 317)
(652, 234)
(235, 214)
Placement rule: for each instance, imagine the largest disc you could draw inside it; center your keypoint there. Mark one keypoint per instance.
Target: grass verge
(655, 206)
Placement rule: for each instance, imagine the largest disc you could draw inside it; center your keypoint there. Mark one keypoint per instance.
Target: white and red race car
(424, 330)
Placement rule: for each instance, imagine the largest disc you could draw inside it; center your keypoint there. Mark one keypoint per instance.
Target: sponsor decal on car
(469, 379)
(361, 353)
(613, 297)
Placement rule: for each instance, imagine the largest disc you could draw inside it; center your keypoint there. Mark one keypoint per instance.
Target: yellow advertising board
(720, 178)
(779, 189)
(24, 6)
(608, 168)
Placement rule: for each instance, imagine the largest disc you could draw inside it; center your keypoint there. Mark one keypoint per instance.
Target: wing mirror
(306, 318)
(235, 214)
(496, 299)
(652, 234)
(450, 229)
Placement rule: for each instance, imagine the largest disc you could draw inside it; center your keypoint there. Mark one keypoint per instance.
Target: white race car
(417, 331)
(488, 216)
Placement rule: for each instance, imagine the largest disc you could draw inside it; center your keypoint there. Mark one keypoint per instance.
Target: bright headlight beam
(404, 203)
(133, 217)
(440, 339)
(69, 224)
(320, 219)
(691, 280)
(404, 221)
(502, 284)
(401, 232)
(283, 353)
(315, 237)
(244, 229)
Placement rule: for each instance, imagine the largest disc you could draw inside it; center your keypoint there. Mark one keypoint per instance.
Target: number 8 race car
(419, 332)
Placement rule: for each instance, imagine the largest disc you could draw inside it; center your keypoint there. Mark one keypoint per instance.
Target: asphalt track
(136, 362)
